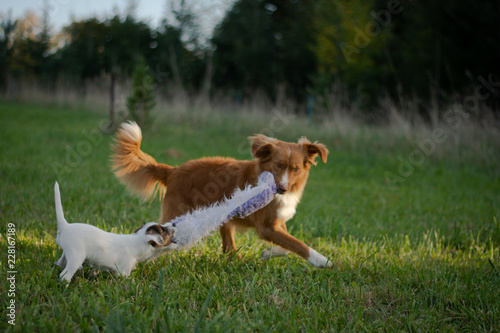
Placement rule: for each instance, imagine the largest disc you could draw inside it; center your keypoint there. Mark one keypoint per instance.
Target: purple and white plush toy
(190, 228)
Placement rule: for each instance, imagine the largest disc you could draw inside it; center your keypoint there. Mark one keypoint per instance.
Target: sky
(62, 12)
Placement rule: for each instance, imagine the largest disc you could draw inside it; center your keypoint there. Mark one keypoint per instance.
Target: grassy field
(414, 237)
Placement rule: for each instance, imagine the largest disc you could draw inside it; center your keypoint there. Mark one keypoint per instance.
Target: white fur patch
(303, 140)
(288, 203)
(318, 260)
(132, 131)
(266, 139)
(284, 180)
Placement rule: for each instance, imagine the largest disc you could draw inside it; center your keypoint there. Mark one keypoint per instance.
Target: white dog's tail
(61, 221)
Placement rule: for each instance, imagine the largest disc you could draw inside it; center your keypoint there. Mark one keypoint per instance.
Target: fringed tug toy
(190, 228)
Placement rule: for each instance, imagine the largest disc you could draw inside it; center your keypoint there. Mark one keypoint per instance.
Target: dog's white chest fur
(287, 204)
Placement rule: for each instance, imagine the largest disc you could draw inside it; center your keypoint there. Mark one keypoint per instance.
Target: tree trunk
(112, 100)
(207, 82)
(175, 68)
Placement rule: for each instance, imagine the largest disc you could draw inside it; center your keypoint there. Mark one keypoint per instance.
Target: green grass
(421, 255)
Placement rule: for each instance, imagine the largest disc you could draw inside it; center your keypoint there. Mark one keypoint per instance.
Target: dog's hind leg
(272, 252)
(74, 262)
(227, 234)
(68, 272)
(61, 262)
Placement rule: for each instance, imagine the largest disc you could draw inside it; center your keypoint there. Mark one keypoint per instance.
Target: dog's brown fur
(200, 182)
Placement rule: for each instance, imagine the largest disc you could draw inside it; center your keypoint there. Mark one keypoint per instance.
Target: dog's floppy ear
(313, 149)
(160, 236)
(262, 146)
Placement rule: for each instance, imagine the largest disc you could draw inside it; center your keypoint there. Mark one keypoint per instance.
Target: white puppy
(105, 250)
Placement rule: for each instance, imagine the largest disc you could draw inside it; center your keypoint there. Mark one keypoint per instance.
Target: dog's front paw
(273, 252)
(318, 260)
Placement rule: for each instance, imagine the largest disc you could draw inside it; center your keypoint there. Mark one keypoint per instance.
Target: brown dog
(200, 182)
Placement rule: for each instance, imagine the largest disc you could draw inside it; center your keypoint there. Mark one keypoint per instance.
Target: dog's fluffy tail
(138, 170)
(61, 221)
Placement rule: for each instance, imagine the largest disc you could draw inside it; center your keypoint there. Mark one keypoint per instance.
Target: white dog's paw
(273, 252)
(318, 260)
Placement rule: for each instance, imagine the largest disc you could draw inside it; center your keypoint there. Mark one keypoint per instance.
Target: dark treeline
(369, 49)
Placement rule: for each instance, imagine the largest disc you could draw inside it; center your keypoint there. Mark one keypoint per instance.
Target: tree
(406, 48)
(445, 45)
(7, 27)
(84, 55)
(351, 39)
(178, 59)
(109, 47)
(143, 98)
(263, 45)
(30, 43)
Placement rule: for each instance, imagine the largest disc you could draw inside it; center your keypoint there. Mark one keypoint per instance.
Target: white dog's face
(156, 234)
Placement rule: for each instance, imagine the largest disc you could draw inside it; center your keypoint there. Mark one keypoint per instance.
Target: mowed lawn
(415, 246)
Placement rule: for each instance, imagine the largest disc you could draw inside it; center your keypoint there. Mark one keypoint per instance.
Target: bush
(143, 97)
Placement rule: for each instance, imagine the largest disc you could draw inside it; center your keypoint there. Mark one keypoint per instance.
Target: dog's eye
(278, 165)
(296, 169)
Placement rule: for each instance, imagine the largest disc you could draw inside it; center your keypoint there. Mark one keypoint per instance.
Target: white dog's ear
(158, 235)
(137, 230)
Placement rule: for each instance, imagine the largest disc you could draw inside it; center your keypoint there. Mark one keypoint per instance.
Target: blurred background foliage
(367, 50)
